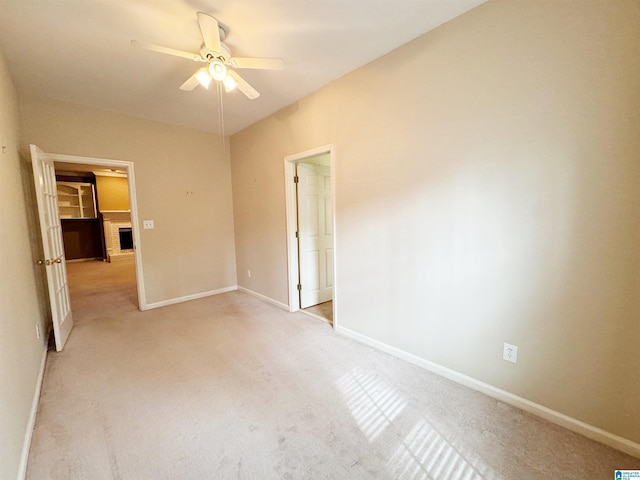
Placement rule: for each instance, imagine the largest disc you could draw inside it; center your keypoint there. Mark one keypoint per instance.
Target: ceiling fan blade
(257, 63)
(210, 31)
(191, 83)
(243, 86)
(166, 50)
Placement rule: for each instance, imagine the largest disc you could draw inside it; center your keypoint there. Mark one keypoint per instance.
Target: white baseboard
(278, 304)
(187, 298)
(553, 416)
(28, 434)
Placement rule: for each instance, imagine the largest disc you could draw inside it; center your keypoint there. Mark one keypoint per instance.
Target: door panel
(328, 260)
(313, 271)
(315, 227)
(328, 214)
(51, 233)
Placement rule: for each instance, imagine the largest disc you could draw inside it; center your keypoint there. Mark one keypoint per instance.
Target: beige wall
(486, 192)
(112, 193)
(182, 183)
(20, 351)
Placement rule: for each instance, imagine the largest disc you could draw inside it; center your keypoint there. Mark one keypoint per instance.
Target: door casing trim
(291, 212)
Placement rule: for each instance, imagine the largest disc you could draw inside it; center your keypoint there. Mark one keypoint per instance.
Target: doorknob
(49, 262)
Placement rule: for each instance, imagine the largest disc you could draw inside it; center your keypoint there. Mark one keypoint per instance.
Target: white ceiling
(79, 50)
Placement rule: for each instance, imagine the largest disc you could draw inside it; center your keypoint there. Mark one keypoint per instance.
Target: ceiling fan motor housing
(224, 55)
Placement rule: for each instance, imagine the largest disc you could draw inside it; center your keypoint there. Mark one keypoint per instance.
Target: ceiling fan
(218, 57)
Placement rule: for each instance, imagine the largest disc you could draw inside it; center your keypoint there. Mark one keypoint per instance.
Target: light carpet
(231, 387)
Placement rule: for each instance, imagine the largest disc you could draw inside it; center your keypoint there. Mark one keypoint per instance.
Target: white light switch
(147, 224)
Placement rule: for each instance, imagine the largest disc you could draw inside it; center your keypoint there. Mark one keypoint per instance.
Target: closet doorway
(310, 235)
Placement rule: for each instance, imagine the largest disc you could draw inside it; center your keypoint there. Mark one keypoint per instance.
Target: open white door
(46, 193)
(315, 234)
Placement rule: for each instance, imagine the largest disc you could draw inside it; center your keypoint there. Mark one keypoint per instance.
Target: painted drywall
(486, 191)
(112, 193)
(20, 309)
(182, 183)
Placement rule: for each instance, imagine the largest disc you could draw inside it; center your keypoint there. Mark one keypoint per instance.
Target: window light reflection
(426, 454)
(373, 404)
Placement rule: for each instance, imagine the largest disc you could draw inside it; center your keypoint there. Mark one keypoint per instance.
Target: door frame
(133, 205)
(290, 162)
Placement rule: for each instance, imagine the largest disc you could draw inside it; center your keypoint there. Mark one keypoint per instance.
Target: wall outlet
(147, 224)
(510, 353)
(248, 273)
(37, 331)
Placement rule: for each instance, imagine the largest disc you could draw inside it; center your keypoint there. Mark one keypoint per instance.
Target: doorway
(310, 184)
(118, 217)
(76, 202)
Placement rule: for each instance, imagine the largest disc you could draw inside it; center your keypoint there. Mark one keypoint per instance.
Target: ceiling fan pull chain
(220, 114)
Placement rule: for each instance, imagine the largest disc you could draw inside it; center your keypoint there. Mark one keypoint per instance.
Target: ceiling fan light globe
(230, 83)
(203, 77)
(217, 70)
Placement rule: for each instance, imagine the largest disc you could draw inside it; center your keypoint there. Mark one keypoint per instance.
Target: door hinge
(296, 179)
(297, 234)
(299, 287)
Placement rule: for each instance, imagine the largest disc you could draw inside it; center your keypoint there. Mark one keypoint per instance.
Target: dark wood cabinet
(82, 238)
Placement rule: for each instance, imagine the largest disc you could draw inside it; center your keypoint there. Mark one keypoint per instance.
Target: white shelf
(76, 200)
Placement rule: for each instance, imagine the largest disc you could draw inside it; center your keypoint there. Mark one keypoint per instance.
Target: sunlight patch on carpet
(373, 404)
(426, 454)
